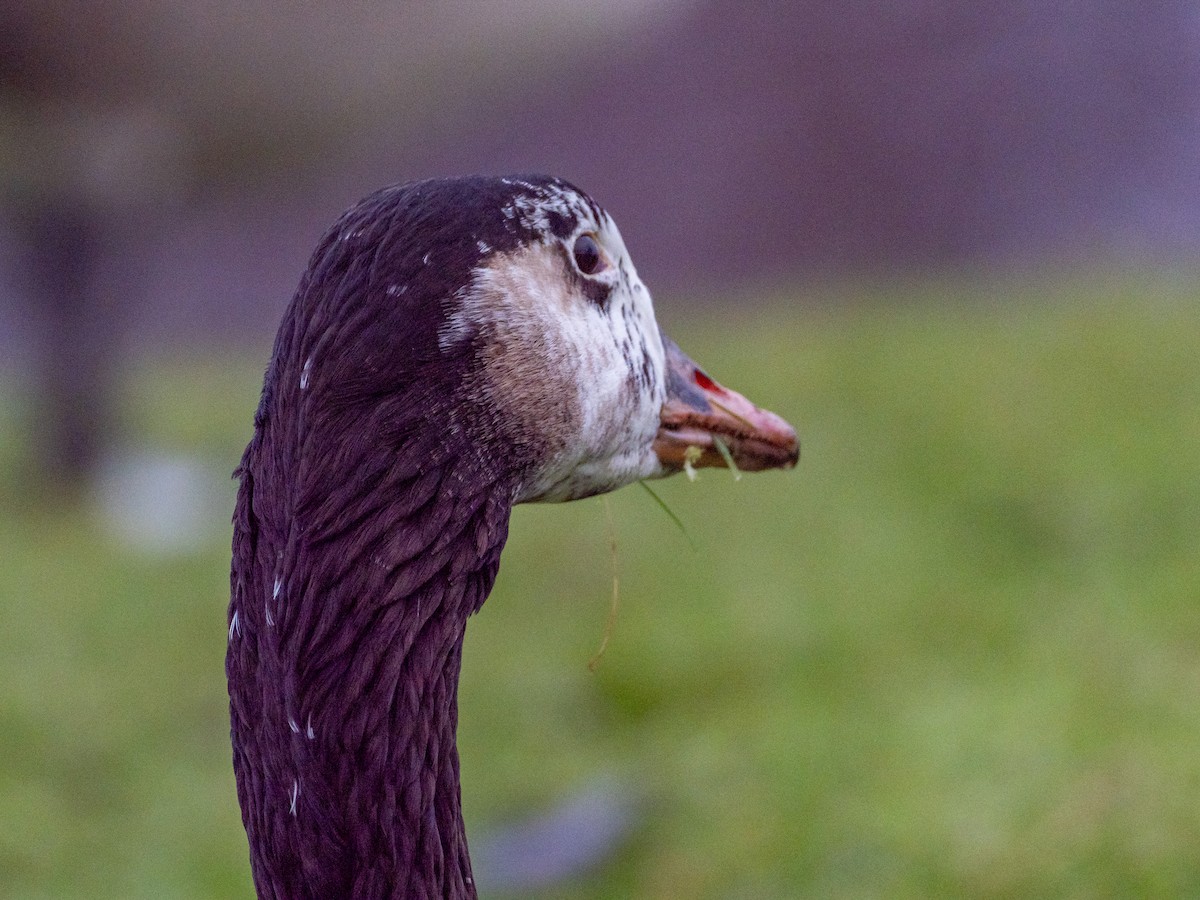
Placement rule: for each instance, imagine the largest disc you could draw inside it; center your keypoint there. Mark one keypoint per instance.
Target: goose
(455, 347)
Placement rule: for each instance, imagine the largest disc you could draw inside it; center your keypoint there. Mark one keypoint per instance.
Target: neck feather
(347, 617)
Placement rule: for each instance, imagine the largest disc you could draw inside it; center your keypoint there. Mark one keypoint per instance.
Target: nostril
(707, 383)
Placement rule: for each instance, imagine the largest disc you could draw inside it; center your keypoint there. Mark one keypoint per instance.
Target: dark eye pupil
(587, 254)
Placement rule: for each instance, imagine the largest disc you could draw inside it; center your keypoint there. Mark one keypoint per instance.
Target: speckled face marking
(572, 360)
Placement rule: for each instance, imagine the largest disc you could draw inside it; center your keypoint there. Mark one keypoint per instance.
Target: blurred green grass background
(956, 653)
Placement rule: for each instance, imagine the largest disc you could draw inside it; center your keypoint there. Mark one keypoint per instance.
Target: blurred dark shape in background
(64, 240)
(166, 168)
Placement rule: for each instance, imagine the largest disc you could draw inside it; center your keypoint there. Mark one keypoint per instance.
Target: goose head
(454, 347)
(510, 311)
(577, 368)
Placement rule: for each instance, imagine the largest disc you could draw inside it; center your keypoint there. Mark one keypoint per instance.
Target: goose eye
(587, 255)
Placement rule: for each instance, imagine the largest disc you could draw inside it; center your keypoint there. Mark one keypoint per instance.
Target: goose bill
(698, 411)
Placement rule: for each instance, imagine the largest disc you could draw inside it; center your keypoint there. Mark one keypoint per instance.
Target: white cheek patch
(568, 374)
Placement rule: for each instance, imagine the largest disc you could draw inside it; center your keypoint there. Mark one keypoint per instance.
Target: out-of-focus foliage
(954, 653)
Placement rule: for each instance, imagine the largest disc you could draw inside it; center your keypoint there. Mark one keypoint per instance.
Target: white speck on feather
(458, 325)
(484, 246)
(270, 620)
(309, 730)
(305, 373)
(395, 290)
(292, 725)
(295, 794)
(235, 627)
(534, 208)
(278, 586)
(425, 259)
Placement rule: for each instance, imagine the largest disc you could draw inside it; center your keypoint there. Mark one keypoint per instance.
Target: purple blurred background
(165, 169)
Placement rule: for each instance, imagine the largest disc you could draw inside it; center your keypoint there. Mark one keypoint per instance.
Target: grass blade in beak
(723, 449)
